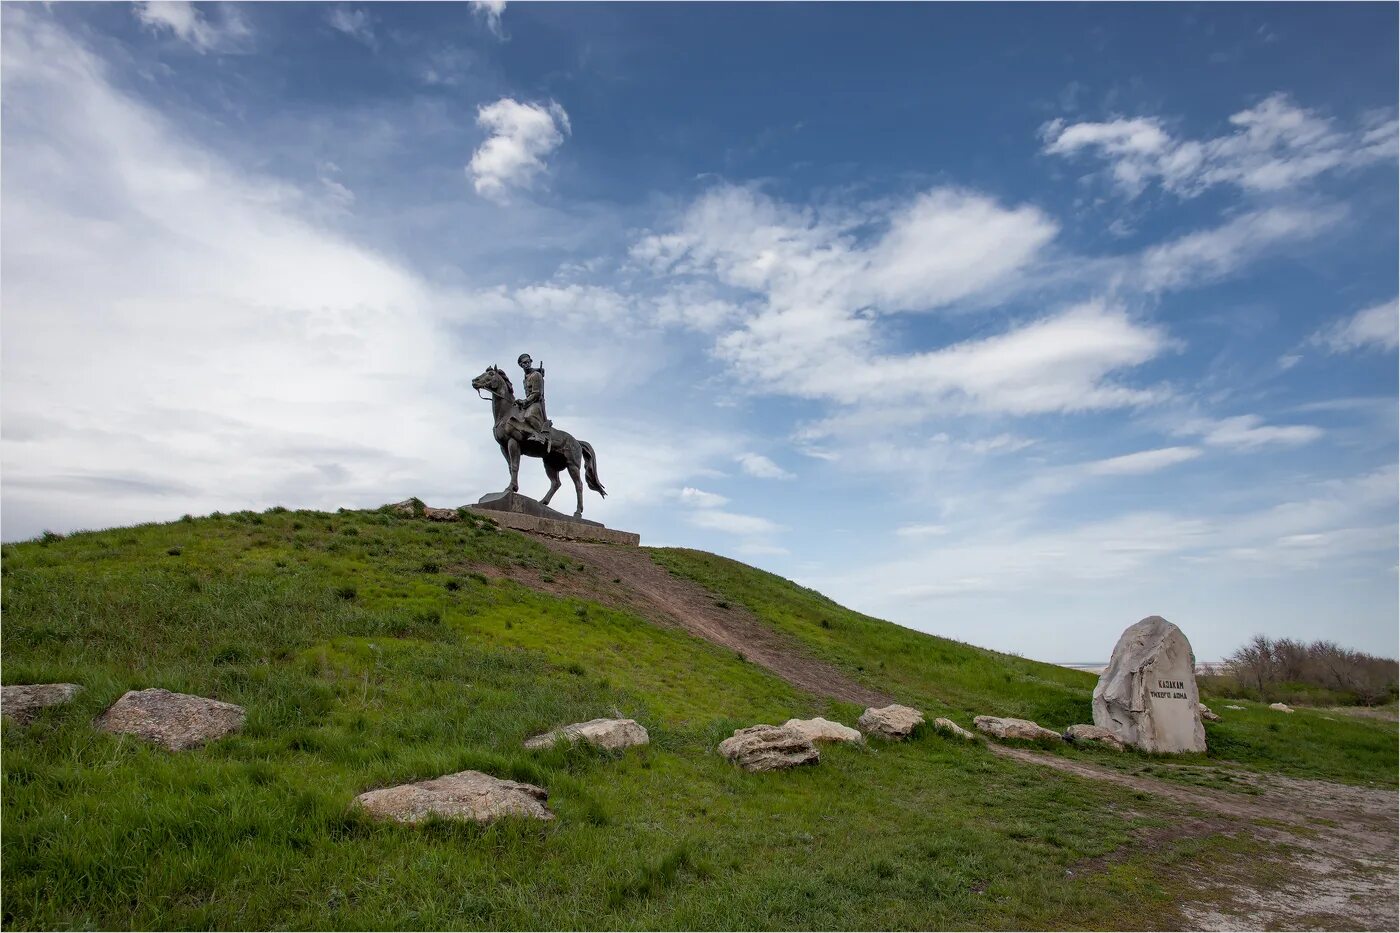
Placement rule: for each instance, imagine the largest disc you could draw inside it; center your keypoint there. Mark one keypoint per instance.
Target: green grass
(368, 651)
(961, 681)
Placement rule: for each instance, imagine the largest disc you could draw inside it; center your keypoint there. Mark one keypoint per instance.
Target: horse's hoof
(578, 514)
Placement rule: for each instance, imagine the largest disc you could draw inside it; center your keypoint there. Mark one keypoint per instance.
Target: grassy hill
(371, 649)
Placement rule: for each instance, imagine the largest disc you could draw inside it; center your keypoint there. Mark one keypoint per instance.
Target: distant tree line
(1320, 672)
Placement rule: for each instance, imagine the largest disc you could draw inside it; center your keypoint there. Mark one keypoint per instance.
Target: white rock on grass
(1147, 694)
(893, 722)
(1208, 714)
(174, 721)
(1228, 706)
(466, 795)
(769, 748)
(614, 734)
(824, 730)
(949, 727)
(1097, 734)
(1281, 707)
(21, 703)
(1003, 727)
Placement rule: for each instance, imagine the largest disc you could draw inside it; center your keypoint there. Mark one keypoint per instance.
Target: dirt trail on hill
(1336, 850)
(662, 597)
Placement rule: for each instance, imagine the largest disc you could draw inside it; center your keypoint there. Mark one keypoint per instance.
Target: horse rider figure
(532, 411)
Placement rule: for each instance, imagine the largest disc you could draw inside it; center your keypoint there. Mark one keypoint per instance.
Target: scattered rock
(769, 748)
(441, 515)
(1003, 727)
(1208, 714)
(409, 507)
(175, 721)
(613, 734)
(1281, 707)
(1087, 733)
(893, 721)
(824, 730)
(21, 703)
(952, 728)
(466, 795)
(1147, 694)
(1227, 706)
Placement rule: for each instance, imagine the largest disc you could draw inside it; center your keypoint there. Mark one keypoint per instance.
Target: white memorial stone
(1147, 695)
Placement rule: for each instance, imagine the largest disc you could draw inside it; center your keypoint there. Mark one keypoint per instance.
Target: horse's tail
(590, 469)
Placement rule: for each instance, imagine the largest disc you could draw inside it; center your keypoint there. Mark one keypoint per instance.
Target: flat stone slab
(769, 748)
(949, 727)
(525, 514)
(1084, 732)
(21, 703)
(893, 721)
(1004, 727)
(174, 721)
(614, 734)
(466, 795)
(824, 730)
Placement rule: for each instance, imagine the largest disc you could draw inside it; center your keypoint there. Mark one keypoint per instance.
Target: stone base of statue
(522, 513)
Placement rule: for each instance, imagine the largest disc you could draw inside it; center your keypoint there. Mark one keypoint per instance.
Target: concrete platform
(522, 513)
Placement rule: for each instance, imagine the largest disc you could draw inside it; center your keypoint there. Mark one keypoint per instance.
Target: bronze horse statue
(565, 452)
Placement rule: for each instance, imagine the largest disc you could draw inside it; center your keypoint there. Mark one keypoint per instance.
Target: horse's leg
(553, 470)
(578, 486)
(513, 458)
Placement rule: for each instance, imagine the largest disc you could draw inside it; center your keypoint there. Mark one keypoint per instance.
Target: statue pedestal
(525, 514)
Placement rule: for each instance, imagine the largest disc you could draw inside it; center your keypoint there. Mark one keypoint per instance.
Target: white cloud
(520, 136)
(762, 467)
(1373, 328)
(355, 23)
(701, 499)
(1275, 146)
(1144, 461)
(732, 523)
(491, 11)
(921, 531)
(188, 23)
(1207, 255)
(1246, 432)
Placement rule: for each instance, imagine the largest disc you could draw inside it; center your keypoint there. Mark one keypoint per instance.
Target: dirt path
(1335, 849)
(667, 599)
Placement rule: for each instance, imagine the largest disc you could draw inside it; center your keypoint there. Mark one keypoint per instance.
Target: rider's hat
(522, 358)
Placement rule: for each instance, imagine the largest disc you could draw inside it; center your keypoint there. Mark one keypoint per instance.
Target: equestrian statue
(522, 427)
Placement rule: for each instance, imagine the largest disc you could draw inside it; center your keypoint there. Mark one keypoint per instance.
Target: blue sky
(1013, 323)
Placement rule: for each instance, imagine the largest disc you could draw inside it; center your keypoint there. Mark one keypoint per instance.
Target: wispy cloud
(1144, 461)
(229, 32)
(761, 466)
(1275, 146)
(1373, 328)
(353, 22)
(490, 12)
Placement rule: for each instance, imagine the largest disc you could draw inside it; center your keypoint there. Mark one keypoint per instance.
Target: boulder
(1147, 694)
(1281, 707)
(769, 748)
(824, 730)
(893, 721)
(441, 515)
(1097, 734)
(466, 795)
(949, 727)
(20, 703)
(1208, 714)
(615, 734)
(174, 721)
(1003, 727)
(408, 507)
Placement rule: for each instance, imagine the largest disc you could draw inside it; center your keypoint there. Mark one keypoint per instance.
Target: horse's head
(495, 381)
